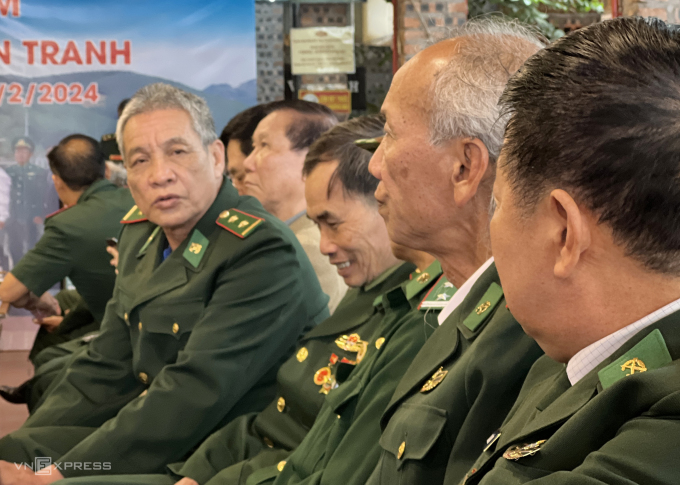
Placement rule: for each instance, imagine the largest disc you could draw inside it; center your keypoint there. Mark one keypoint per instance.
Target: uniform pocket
(174, 319)
(412, 431)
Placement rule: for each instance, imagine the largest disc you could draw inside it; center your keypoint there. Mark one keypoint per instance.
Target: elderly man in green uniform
(274, 177)
(193, 335)
(74, 242)
(585, 236)
(436, 165)
(352, 230)
(28, 199)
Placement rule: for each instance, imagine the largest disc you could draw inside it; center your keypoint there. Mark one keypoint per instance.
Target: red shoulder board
(135, 215)
(57, 212)
(238, 222)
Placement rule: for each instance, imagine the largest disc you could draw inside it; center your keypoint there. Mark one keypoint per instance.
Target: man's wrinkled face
(235, 159)
(353, 235)
(22, 155)
(412, 172)
(173, 178)
(274, 169)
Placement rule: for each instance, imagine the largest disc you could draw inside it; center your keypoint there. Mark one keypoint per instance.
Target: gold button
(302, 354)
(268, 442)
(143, 377)
(140, 326)
(281, 404)
(125, 317)
(402, 447)
(280, 466)
(379, 343)
(175, 328)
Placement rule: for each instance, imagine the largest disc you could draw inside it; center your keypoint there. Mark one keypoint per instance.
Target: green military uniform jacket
(342, 446)
(203, 332)
(257, 440)
(615, 426)
(74, 246)
(457, 390)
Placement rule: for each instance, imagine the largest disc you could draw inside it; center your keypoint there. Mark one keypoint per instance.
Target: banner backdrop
(65, 65)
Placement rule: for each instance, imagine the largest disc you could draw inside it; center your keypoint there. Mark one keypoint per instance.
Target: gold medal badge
(435, 380)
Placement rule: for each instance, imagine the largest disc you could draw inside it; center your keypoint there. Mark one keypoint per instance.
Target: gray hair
(465, 93)
(164, 96)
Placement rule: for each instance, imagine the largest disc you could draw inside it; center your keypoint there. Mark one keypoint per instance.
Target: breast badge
(435, 380)
(522, 451)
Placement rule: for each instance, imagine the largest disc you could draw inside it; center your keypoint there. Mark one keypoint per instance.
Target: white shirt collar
(462, 292)
(593, 355)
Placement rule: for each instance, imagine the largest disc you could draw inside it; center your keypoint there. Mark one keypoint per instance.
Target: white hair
(465, 93)
(164, 96)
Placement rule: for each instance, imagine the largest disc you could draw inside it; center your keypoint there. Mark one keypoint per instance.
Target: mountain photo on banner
(65, 65)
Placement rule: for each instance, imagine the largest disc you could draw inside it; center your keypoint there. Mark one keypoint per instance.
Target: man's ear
(216, 151)
(58, 182)
(570, 232)
(469, 168)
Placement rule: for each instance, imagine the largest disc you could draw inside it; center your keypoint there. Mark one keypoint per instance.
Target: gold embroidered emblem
(233, 219)
(435, 380)
(634, 365)
(350, 343)
(423, 278)
(243, 224)
(483, 307)
(302, 354)
(195, 248)
(224, 214)
(522, 451)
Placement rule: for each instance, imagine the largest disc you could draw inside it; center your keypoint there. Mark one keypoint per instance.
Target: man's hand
(114, 261)
(16, 474)
(45, 306)
(184, 481)
(50, 323)
(37, 220)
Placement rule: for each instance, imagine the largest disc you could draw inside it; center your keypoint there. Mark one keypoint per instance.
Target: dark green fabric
(74, 245)
(28, 196)
(342, 446)
(205, 343)
(239, 447)
(78, 321)
(485, 368)
(625, 434)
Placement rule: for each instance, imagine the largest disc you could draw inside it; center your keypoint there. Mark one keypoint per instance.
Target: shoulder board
(116, 158)
(420, 281)
(483, 308)
(58, 212)
(238, 223)
(648, 354)
(439, 295)
(134, 215)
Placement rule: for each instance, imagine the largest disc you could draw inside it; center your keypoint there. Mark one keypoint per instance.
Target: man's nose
(249, 162)
(376, 161)
(326, 244)
(161, 171)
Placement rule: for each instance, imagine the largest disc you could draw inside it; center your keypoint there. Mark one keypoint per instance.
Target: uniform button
(302, 354)
(379, 343)
(175, 328)
(125, 317)
(402, 447)
(281, 404)
(268, 442)
(143, 377)
(280, 466)
(140, 326)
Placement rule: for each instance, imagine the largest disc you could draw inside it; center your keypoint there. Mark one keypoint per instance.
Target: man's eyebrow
(173, 141)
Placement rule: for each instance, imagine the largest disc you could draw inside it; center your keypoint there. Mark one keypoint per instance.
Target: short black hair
(242, 126)
(122, 105)
(78, 160)
(597, 113)
(338, 145)
(312, 120)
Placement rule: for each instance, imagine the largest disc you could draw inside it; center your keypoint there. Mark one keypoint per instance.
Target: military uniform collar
(97, 186)
(422, 280)
(382, 277)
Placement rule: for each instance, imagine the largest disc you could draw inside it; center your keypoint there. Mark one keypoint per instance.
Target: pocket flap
(413, 430)
(174, 319)
(338, 398)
